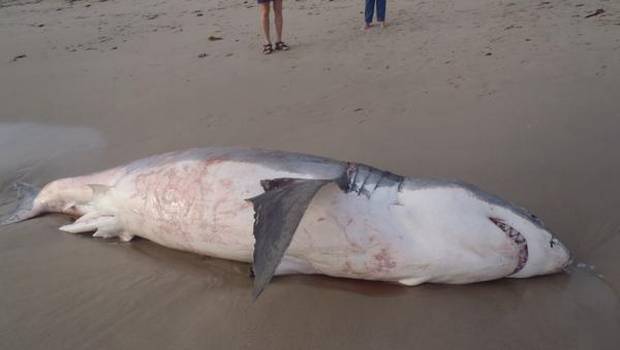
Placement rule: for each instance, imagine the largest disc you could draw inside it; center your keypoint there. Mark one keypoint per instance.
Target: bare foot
(383, 25)
(367, 26)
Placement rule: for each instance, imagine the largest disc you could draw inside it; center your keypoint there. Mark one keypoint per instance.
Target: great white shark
(288, 213)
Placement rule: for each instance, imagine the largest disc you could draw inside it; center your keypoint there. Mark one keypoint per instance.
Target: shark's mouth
(517, 238)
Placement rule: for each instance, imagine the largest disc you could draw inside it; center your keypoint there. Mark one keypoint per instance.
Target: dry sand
(520, 97)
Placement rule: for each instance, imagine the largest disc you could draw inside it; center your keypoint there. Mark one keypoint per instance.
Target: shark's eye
(553, 242)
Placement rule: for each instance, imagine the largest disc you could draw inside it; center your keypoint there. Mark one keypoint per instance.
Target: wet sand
(520, 98)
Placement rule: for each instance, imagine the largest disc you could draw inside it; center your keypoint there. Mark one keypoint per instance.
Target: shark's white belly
(201, 207)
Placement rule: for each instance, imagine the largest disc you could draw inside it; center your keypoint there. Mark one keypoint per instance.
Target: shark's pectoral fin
(277, 213)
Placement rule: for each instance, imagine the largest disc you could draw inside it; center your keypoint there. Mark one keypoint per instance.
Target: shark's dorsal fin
(277, 214)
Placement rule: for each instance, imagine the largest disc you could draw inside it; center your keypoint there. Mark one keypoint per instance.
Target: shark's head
(476, 226)
(540, 252)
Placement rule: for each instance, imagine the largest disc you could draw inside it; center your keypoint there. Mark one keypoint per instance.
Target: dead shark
(288, 213)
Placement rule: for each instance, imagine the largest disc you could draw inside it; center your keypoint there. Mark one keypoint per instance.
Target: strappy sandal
(281, 46)
(267, 49)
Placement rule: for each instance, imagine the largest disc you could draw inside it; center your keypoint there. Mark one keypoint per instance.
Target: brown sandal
(267, 49)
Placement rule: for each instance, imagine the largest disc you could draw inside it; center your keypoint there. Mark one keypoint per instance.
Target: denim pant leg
(381, 10)
(370, 10)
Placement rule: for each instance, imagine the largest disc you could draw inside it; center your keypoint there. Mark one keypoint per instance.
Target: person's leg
(381, 11)
(369, 12)
(277, 10)
(264, 19)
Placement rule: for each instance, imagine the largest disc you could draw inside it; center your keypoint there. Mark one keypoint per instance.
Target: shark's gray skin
(292, 213)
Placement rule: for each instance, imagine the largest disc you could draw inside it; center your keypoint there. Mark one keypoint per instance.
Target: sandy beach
(521, 98)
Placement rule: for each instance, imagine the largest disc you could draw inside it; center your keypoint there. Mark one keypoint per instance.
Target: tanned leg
(264, 19)
(277, 9)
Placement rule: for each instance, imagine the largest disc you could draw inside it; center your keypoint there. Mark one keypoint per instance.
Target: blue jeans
(370, 9)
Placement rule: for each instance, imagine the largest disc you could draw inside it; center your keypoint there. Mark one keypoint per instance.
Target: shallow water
(542, 136)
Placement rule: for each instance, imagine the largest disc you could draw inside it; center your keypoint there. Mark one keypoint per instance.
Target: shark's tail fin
(25, 209)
